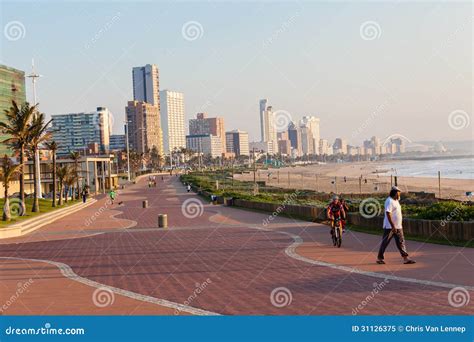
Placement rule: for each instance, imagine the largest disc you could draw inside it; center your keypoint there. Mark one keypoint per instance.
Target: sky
(363, 68)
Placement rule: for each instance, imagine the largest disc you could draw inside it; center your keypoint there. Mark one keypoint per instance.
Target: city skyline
(363, 97)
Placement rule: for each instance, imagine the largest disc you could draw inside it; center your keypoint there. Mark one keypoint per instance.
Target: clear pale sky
(307, 58)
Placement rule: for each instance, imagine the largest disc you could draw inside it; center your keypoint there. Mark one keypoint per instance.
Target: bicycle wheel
(339, 239)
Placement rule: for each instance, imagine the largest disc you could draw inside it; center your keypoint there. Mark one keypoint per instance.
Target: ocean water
(461, 168)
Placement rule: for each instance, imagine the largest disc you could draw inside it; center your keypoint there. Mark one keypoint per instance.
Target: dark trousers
(399, 240)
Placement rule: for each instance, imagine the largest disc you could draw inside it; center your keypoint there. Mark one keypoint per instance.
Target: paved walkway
(215, 259)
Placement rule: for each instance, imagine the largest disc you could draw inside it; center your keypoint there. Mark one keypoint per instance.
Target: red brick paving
(64, 296)
(243, 264)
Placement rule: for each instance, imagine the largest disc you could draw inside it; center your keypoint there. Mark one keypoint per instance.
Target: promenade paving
(226, 261)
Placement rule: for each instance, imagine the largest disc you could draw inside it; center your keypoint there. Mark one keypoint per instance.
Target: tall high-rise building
(237, 142)
(117, 142)
(172, 120)
(268, 128)
(144, 127)
(340, 146)
(77, 131)
(146, 84)
(294, 135)
(262, 108)
(12, 88)
(204, 125)
(312, 125)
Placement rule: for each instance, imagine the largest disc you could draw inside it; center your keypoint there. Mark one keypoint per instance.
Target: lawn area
(45, 207)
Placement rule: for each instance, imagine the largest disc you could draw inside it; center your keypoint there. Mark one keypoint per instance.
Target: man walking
(392, 227)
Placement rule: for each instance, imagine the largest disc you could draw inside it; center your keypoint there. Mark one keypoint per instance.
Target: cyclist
(335, 210)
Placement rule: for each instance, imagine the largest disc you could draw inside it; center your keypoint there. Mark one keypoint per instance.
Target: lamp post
(33, 77)
(128, 150)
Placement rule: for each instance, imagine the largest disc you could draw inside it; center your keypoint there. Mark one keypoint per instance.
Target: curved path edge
(67, 272)
(291, 252)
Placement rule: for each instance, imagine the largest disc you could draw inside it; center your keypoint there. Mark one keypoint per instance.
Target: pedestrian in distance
(188, 187)
(85, 193)
(392, 227)
(112, 195)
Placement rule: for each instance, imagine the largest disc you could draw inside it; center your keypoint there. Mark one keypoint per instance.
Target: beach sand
(322, 177)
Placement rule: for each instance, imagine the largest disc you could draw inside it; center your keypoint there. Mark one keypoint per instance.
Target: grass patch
(45, 205)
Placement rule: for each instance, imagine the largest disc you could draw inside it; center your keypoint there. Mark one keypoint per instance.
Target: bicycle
(337, 232)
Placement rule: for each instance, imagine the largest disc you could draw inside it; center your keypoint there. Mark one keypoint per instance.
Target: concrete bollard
(162, 221)
(145, 204)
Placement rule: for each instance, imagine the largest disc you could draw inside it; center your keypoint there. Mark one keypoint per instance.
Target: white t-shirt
(395, 209)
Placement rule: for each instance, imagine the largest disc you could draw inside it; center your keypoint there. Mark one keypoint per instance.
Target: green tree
(62, 172)
(8, 171)
(76, 156)
(38, 135)
(18, 127)
(53, 147)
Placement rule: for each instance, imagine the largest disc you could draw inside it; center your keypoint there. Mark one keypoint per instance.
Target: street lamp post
(128, 150)
(33, 77)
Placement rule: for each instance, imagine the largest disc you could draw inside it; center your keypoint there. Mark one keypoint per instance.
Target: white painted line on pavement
(67, 271)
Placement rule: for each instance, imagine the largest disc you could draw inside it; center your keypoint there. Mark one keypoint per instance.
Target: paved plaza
(112, 259)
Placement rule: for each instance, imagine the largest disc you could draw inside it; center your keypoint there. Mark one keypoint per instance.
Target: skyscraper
(204, 125)
(12, 87)
(172, 120)
(268, 128)
(146, 84)
(311, 124)
(76, 131)
(144, 128)
(237, 142)
(294, 135)
(263, 108)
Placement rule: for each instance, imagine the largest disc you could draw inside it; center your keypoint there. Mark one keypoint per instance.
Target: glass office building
(12, 87)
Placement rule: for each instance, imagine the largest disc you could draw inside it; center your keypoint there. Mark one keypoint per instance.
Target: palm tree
(8, 171)
(71, 178)
(53, 147)
(62, 172)
(17, 126)
(76, 156)
(38, 136)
